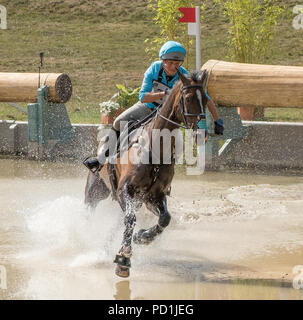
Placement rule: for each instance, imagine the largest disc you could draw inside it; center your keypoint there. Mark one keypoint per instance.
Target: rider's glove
(219, 126)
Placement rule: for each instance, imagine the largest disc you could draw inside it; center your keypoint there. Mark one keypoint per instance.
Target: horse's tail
(95, 190)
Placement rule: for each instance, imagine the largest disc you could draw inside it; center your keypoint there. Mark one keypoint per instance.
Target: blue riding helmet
(172, 50)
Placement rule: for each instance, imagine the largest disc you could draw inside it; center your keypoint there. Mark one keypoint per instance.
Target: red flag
(189, 15)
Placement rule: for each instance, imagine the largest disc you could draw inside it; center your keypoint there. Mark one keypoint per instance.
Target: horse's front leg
(159, 208)
(129, 207)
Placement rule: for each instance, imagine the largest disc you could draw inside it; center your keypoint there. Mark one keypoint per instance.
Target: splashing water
(55, 248)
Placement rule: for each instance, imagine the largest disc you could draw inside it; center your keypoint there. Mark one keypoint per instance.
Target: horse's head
(192, 100)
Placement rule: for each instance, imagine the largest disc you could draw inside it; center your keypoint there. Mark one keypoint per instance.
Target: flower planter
(109, 119)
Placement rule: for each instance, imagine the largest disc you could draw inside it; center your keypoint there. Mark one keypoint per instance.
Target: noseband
(200, 116)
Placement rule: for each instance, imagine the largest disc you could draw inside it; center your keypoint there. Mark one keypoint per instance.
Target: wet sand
(232, 236)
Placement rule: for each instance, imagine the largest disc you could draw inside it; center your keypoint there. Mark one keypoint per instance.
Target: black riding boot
(92, 164)
(109, 144)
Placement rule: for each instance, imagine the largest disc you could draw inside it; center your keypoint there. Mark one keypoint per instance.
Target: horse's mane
(173, 97)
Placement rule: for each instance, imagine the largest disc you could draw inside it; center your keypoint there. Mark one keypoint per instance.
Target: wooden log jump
(254, 85)
(22, 87)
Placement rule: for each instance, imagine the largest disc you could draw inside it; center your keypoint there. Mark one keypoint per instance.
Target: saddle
(126, 137)
(126, 140)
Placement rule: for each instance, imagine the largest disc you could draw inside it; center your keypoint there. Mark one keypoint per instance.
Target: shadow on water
(206, 270)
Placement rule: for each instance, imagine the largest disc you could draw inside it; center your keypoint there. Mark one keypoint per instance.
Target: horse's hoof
(122, 271)
(141, 238)
(123, 264)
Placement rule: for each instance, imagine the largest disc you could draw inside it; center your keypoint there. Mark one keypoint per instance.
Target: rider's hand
(219, 126)
(162, 94)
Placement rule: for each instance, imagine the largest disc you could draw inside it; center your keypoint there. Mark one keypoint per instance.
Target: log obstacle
(233, 85)
(254, 85)
(48, 121)
(22, 87)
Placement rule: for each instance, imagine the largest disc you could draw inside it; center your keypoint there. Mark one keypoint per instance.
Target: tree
(251, 34)
(251, 30)
(166, 17)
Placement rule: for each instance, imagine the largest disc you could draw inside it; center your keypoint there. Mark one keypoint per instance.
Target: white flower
(109, 107)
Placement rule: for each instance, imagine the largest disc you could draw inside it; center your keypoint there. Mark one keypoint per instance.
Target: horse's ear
(185, 81)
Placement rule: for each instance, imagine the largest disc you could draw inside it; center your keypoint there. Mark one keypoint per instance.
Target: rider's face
(171, 66)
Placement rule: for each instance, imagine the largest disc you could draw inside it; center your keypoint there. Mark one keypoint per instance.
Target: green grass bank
(101, 43)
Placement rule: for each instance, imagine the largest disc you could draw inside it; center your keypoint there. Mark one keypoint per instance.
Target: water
(232, 236)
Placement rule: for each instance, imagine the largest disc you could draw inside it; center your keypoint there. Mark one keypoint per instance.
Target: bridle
(200, 116)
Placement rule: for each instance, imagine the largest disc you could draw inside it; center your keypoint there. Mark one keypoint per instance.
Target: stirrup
(94, 169)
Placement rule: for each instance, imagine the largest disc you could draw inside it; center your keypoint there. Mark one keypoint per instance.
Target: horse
(134, 184)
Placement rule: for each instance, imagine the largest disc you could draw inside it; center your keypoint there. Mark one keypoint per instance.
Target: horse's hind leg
(129, 207)
(95, 190)
(159, 208)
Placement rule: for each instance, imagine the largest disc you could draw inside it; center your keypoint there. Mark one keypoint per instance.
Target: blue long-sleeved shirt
(152, 73)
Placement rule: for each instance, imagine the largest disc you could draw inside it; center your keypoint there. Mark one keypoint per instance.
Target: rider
(158, 79)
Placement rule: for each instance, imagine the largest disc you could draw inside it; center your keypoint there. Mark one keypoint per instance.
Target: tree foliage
(166, 17)
(251, 30)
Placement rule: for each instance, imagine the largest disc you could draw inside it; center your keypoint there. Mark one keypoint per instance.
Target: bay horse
(135, 184)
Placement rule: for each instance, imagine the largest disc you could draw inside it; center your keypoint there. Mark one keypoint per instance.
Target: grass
(101, 43)
(283, 114)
